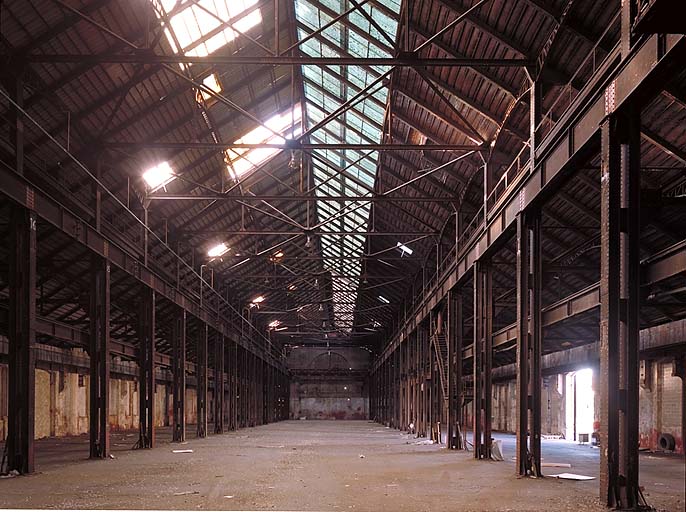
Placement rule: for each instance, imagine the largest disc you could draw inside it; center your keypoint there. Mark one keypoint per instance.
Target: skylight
(384, 299)
(218, 250)
(344, 172)
(404, 249)
(199, 27)
(159, 175)
(240, 161)
(212, 83)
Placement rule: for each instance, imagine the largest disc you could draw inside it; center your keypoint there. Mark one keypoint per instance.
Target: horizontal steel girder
(285, 197)
(292, 145)
(150, 58)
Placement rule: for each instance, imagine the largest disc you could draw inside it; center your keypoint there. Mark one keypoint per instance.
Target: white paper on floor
(573, 476)
(497, 450)
(182, 451)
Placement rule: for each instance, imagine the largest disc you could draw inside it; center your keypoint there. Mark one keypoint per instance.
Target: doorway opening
(580, 401)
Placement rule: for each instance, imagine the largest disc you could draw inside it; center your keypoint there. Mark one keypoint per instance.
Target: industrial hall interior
(353, 255)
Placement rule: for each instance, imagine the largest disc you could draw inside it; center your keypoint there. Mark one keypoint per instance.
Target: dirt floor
(310, 465)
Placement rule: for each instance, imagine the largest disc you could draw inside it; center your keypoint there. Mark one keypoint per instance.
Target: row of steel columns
(400, 388)
(405, 392)
(247, 390)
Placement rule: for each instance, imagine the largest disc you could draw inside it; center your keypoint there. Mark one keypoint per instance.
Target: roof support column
(201, 378)
(22, 338)
(529, 342)
(619, 307)
(454, 366)
(219, 395)
(146, 369)
(483, 355)
(179, 376)
(99, 352)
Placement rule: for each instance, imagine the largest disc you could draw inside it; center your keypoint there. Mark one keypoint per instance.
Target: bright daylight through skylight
(218, 250)
(241, 161)
(159, 175)
(193, 20)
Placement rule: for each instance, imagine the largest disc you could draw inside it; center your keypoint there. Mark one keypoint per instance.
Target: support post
(179, 376)
(201, 378)
(483, 354)
(454, 438)
(619, 307)
(99, 352)
(529, 340)
(22, 338)
(219, 384)
(146, 369)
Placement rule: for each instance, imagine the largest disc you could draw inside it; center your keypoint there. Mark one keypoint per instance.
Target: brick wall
(504, 412)
(660, 406)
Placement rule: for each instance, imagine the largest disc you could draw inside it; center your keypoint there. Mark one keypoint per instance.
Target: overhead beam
(310, 198)
(293, 145)
(149, 58)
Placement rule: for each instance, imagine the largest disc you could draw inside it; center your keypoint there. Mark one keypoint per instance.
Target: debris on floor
(555, 465)
(426, 441)
(497, 450)
(112, 456)
(573, 476)
(184, 493)
(182, 451)
(361, 456)
(229, 497)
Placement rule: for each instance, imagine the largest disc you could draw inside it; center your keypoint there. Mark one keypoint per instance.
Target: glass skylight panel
(243, 160)
(158, 176)
(200, 27)
(212, 83)
(327, 88)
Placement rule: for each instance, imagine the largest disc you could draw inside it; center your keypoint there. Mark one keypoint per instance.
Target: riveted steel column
(22, 338)
(201, 377)
(219, 383)
(146, 369)
(529, 342)
(179, 376)
(536, 352)
(454, 340)
(99, 352)
(619, 307)
(483, 320)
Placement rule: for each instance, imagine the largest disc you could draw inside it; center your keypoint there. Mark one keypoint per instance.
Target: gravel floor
(310, 465)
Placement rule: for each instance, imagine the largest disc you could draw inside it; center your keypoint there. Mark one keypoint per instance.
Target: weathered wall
(660, 406)
(62, 406)
(329, 384)
(504, 411)
(340, 400)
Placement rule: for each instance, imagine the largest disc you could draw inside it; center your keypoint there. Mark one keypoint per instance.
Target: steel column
(619, 307)
(219, 384)
(201, 377)
(22, 338)
(146, 369)
(179, 376)
(99, 352)
(529, 334)
(454, 337)
(483, 355)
